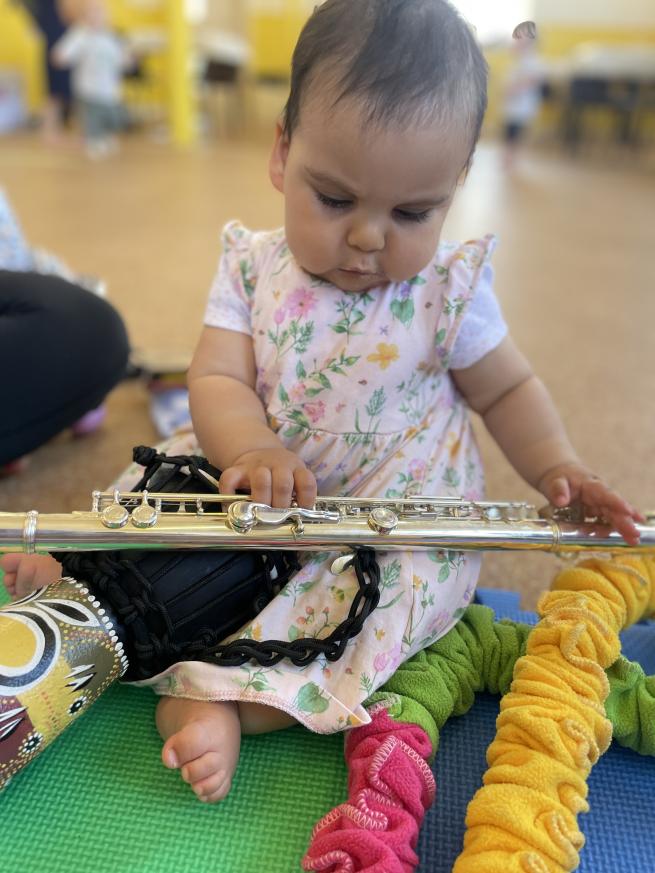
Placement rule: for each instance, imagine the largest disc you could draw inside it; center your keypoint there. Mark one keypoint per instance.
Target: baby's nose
(367, 236)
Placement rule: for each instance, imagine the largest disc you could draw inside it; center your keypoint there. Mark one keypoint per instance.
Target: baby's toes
(214, 788)
(208, 777)
(187, 745)
(202, 767)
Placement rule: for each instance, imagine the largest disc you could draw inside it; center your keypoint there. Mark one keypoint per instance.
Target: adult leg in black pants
(62, 349)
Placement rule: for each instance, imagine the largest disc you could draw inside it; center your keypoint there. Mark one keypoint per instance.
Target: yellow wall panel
(273, 37)
(558, 40)
(21, 50)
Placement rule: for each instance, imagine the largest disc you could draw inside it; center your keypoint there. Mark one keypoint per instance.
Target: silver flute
(142, 520)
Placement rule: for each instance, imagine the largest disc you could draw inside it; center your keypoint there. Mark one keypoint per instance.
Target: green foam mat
(99, 798)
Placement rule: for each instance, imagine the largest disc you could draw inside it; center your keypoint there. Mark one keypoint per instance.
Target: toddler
(343, 354)
(523, 90)
(98, 59)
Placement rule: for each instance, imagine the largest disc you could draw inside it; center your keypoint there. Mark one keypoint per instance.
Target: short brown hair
(404, 58)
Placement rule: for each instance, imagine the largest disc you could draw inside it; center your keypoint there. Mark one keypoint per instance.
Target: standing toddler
(97, 58)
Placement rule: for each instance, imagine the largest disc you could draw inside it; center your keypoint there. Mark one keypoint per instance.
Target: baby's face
(364, 206)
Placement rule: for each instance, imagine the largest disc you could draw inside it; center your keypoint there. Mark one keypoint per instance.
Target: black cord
(303, 651)
(149, 635)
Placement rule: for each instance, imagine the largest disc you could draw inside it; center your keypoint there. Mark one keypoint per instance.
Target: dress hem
(162, 687)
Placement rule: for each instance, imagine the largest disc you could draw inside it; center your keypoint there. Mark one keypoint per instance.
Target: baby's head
(386, 104)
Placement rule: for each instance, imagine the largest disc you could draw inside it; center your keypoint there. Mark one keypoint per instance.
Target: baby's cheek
(312, 245)
(409, 255)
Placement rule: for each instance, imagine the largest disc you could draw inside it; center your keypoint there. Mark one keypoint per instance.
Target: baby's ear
(278, 160)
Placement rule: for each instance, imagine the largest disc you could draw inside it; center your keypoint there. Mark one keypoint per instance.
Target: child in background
(523, 89)
(343, 353)
(97, 58)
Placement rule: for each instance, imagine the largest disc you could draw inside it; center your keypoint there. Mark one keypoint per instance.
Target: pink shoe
(90, 422)
(390, 786)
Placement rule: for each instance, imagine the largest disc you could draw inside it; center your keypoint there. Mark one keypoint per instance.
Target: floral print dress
(358, 386)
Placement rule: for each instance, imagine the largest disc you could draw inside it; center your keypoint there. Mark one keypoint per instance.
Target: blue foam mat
(619, 828)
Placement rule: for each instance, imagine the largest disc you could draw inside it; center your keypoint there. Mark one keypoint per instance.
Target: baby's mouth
(357, 271)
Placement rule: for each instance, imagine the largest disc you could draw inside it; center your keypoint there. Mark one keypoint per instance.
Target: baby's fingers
(232, 479)
(257, 480)
(558, 491)
(625, 525)
(602, 500)
(9, 563)
(305, 483)
(9, 581)
(598, 497)
(282, 488)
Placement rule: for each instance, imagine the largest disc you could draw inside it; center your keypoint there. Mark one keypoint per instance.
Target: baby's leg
(26, 573)
(203, 739)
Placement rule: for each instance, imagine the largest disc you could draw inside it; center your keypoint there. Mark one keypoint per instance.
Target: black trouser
(62, 349)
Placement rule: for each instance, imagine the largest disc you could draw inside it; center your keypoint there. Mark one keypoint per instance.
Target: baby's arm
(521, 416)
(231, 426)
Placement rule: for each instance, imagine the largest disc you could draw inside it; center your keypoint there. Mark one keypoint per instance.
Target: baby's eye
(408, 215)
(333, 202)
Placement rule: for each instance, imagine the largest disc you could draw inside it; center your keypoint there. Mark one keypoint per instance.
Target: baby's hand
(26, 573)
(574, 483)
(273, 476)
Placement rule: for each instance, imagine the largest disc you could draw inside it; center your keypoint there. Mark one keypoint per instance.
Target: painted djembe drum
(59, 651)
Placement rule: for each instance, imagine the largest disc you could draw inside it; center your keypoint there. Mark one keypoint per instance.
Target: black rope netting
(153, 629)
(153, 642)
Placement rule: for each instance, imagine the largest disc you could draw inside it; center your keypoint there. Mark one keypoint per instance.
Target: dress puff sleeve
(482, 326)
(232, 292)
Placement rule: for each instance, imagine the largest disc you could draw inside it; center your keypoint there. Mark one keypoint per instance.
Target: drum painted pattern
(58, 653)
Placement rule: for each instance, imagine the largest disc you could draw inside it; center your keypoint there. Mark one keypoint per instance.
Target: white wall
(614, 13)
(495, 20)
(490, 18)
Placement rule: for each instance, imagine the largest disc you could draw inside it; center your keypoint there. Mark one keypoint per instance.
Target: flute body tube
(135, 520)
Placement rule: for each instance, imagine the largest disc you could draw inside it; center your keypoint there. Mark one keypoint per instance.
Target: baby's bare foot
(26, 573)
(202, 741)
